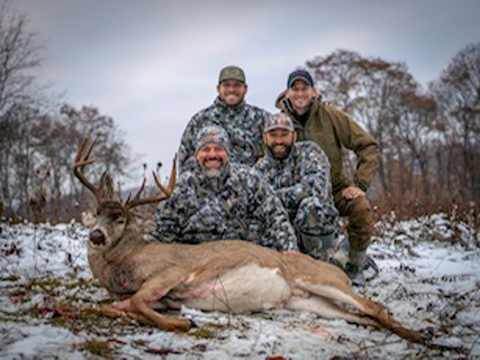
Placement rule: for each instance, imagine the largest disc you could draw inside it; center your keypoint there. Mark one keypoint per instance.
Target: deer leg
(328, 310)
(163, 322)
(117, 309)
(380, 314)
(140, 318)
(121, 310)
(113, 312)
(154, 290)
(368, 307)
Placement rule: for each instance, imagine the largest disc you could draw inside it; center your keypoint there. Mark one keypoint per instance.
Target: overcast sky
(152, 64)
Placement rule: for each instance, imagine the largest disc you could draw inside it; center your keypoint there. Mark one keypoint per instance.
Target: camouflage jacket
(303, 173)
(335, 131)
(243, 124)
(238, 205)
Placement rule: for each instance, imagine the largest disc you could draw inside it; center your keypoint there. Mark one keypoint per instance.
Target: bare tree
(371, 90)
(19, 58)
(111, 147)
(35, 166)
(458, 94)
(416, 127)
(36, 147)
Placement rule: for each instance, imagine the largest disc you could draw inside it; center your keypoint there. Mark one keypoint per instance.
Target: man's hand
(352, 192)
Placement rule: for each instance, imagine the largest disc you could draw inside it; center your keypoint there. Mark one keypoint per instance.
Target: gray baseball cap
(231, 72)
(278, 121)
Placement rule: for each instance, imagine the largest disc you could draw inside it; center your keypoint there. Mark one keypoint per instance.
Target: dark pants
(360, 219)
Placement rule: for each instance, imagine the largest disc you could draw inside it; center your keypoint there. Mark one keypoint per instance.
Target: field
(429, 279)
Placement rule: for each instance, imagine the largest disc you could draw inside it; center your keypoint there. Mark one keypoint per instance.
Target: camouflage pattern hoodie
(236, 205)
(304, 173)
(243, 124)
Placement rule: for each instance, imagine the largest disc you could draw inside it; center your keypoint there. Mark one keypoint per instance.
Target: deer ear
(88, 219)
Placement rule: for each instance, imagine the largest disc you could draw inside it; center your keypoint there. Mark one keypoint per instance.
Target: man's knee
(359, 211)
(315, 217)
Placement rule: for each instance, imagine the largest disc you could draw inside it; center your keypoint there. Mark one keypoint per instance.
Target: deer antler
(81, 162)
(166, 192)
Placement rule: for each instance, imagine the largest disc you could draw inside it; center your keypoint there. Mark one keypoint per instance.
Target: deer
(232, 276)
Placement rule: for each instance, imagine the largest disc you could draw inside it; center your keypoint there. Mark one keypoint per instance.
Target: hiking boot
(343, 251)
(355, 266)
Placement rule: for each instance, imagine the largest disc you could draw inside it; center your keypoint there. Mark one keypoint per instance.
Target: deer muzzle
(97, 237)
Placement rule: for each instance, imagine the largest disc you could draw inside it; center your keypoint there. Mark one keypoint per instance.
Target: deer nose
(97, 237)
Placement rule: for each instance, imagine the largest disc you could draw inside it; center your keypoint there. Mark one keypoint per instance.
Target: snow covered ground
(429, 279)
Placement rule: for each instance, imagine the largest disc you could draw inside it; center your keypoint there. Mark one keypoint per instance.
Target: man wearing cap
(216, 201)
(300, 175)
(242, 122)
(335, 131)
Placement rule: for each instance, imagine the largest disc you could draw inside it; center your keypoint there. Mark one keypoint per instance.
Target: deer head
(112, 217)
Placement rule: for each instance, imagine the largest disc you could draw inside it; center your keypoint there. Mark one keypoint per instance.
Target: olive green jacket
(335, 131)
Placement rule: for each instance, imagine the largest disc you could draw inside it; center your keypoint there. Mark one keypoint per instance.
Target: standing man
(335, 131)
(242, 122)
(217, 200)
(300, 175)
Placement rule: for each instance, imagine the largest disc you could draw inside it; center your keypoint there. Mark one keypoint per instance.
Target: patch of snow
(429, 279)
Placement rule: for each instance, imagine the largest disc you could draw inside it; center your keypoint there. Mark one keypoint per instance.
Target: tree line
(428, 138)
(38, 141)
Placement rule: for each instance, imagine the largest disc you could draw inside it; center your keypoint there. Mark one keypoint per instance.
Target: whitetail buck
(228, 276)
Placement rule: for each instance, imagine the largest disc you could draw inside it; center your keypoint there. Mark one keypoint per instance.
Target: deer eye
(121, 221)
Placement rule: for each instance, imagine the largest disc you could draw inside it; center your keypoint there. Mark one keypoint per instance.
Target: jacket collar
(284, 104)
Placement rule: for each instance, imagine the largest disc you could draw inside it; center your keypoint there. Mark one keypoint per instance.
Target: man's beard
(288, 148)
(214, 172)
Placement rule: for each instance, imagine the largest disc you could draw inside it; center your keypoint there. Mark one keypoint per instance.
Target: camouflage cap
(278, 121)
(213, 134)
(231, 72)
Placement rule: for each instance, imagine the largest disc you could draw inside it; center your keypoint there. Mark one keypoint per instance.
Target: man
(219, 200)
(300, 175)
(242, 122)
(335, 131)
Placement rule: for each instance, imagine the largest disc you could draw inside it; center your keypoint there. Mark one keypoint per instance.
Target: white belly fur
(247, 289)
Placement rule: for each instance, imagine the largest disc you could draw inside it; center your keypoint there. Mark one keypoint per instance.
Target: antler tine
(80, 163)
(166, 192)
(173, 175)
(171, 183)
(139, 192)
(91, 148)
(80, 150)
(136, 200)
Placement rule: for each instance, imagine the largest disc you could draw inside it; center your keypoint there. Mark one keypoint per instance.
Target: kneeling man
(219, 200)
(300, 175)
